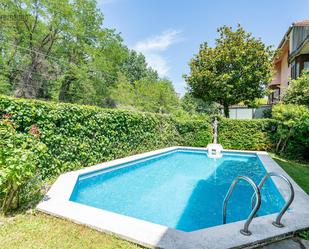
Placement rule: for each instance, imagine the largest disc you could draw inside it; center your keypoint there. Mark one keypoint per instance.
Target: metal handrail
(245, 230)
(277, 222)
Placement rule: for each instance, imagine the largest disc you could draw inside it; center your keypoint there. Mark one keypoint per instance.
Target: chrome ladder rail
(245, 230)
(277, 222)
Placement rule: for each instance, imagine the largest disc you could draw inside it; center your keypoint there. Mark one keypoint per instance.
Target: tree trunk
(9, 199)
(28, 88)
(278, 145)
(64, 95)
(226, 111)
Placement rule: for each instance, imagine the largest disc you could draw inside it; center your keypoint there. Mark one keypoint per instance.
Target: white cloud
(158, 43)
(153, 47)
(157, 62)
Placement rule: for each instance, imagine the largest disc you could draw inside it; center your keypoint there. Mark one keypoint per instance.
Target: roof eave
(285, 36)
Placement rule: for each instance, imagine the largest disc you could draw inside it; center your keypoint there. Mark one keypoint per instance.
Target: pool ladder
(256, 200)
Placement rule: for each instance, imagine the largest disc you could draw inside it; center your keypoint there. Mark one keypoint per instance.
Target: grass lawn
(298, 171)
(43, 231)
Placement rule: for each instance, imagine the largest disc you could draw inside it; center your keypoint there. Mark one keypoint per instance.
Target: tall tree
(156, 96)
(92, 57)
(236, 69)
(123, 93)
(28, 41)
(59, 50)
(196, 105)
(135, 67)
(146, 94)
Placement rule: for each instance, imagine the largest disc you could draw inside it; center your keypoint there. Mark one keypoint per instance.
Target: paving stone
(305, 243)
(284, 244)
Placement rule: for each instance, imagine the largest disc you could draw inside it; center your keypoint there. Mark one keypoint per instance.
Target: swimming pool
(172, 198)
(181, 189)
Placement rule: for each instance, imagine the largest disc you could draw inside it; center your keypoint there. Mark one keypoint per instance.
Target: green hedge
(253, 134)
(78, 136)
(196, 133)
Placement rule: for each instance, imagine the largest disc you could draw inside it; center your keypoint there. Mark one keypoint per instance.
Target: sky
(169, 32)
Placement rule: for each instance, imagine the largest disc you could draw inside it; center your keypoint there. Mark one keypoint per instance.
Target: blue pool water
(182, 189)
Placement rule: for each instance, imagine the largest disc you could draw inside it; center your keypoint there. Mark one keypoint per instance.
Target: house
(292, 59)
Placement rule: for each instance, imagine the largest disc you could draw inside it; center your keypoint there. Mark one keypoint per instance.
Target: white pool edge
(56, 202)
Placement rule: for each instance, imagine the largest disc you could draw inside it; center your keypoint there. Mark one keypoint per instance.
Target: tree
(195, 105)
(135, 67)
(298, 91)
(146, 94)
(236, 69)
(123, 93)
(92, 58)
(155, 96)
(29, 41)
(58, 50)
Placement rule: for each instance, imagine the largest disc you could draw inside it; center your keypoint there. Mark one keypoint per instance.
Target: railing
(277, 222)
(245, 230)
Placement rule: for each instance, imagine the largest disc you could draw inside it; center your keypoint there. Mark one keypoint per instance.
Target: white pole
(215, 130)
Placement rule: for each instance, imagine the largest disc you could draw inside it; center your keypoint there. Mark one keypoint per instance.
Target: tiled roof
(301, 23)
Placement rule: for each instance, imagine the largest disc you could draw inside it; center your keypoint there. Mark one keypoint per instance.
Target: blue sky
(169, 32)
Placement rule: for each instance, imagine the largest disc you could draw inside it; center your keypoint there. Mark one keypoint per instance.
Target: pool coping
(56, 202)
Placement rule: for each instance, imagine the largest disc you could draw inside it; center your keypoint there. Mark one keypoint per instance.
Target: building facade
(292, 59)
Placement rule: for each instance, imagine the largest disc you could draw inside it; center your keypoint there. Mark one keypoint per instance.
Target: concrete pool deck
(57, 203)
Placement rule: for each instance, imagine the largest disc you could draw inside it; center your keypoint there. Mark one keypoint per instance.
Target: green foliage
(236, 69)
(21, 158)
(60, 51)
(253, 134)
(135, 67)
(293, 130)
(298, 91)
(159, 97)
(256, 102)
(195, 105)
(147, 94)
(78, 136)
(196, 133)
(286, 133)
(304, 234)
(123, 93)
(267, 113)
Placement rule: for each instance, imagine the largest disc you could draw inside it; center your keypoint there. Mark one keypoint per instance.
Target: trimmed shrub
(196, 133)
(253, 134)
(78, 136)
